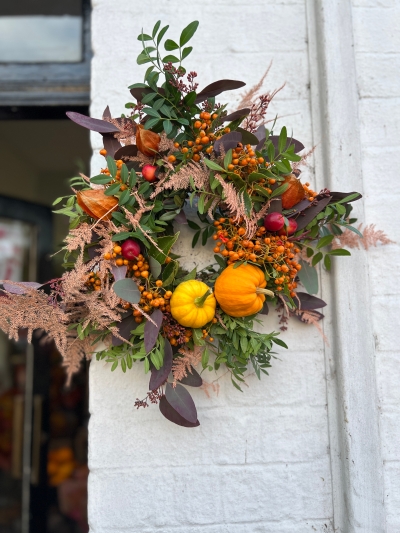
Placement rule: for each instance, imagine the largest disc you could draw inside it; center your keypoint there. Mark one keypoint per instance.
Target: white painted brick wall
(259, 462)
(377, 49)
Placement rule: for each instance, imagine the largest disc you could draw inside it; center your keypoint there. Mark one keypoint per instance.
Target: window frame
(55, 84)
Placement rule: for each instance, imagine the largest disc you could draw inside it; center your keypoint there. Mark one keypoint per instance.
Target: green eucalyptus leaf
(308, 277)
(127, 290)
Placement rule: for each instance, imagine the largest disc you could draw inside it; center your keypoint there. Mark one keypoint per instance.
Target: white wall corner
(353, 410)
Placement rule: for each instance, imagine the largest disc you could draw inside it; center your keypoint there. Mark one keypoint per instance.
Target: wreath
(125, 296)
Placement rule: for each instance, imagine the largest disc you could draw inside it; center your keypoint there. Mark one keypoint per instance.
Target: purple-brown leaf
(298, 146)
(129, 150)
(124, 329)
(158, 377)
(180, 400)
(248, 137)
(94, 124)
(119, 272)
(93, 251)
(240, 113)
(336, 196)
(181, 217)
(193, 379)
(139, 92)
(218, 87)
(107, 113)
(309, 214)
(17, 289)
(228, 141)
(111, 144)
(276, 205)
(307, 301)
(151, 330)
(301, 206)
(173, 416)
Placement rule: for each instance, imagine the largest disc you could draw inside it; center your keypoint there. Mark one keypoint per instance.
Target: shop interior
(43, 422)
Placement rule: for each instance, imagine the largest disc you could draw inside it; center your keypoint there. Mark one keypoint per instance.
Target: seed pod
(96, 204)
(147, 141)
(294, 193)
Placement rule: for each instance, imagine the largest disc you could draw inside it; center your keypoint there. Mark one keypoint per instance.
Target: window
(41, 31)
(44, 52)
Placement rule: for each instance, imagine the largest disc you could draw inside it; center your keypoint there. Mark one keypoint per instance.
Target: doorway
(43, 424)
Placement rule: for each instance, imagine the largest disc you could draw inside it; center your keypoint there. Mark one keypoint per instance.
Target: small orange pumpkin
(193, 304)
(240, 291)
(294, 193)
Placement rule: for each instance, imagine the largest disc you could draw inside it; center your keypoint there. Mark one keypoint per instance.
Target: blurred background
(44, 72)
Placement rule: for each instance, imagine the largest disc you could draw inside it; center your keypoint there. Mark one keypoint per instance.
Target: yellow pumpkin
(240, 291)
(193, 304)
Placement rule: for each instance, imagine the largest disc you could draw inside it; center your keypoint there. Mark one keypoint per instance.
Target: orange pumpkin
(240, 291)
(294, 193)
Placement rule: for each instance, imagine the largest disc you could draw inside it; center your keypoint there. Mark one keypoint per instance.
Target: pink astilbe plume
(252, 93)
(79, 237)
(371, 237)
(182, 365)
(310, 317)
(258, 103)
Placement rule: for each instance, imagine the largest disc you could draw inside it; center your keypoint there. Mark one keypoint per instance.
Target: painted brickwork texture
(260, 460)
(377, 50)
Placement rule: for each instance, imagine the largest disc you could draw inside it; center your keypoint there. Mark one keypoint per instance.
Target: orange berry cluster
(245, 161)
(119, 164)
(206, 333)
(139, 266)
(93, 281)
(275, 253)
(153, 296)
(176, 334)
(309, 192)
(205, 136)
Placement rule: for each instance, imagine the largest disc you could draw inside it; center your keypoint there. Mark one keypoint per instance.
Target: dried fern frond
(371, 237)
(237, 209)
(181, 180)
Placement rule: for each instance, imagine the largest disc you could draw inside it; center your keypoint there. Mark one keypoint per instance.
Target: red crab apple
(149, 173)
(130, 249)
(274, 222)
(289, 230)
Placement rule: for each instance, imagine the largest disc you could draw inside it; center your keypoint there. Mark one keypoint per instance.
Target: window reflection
(40, 38)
